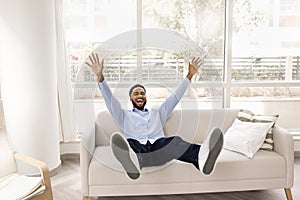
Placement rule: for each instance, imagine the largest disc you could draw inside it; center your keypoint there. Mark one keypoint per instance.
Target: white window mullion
(139, 40)
(228, 53)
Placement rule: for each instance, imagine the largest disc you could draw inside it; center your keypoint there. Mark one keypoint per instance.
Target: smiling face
(138, 98)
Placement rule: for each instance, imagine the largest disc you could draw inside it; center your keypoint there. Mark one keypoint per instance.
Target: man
(143, 128)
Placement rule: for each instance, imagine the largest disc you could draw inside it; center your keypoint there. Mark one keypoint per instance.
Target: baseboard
(69, 150)
(68, 156)
(55, 170)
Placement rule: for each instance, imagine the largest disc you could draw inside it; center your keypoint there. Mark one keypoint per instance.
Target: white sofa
(101, 175)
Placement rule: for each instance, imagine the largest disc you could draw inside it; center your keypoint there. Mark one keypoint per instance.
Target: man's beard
(137, 107)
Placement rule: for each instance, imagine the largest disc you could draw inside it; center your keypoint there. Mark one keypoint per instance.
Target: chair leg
(85, 198)
(288, 193)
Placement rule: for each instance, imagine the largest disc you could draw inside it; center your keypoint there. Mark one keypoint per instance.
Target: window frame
(227, 82)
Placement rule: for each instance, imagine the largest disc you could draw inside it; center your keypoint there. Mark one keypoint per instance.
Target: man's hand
(96, 66)
(193, 67)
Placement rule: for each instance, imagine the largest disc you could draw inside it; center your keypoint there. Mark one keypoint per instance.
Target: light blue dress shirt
(142, 125)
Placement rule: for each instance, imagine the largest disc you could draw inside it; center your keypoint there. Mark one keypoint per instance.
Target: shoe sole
(216, 141)
(120, 150)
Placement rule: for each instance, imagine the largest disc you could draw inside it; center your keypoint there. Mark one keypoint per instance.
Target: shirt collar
(137, 110)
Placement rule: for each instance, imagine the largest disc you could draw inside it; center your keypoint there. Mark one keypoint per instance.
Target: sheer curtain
(65, 97)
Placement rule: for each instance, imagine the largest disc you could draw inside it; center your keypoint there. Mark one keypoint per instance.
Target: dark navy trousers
(164, 150)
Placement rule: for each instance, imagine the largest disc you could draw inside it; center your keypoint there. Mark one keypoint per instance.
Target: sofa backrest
(191, 125)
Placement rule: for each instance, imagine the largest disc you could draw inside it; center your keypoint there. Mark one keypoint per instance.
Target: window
(158, 55)
(259, 68)
(265, 59)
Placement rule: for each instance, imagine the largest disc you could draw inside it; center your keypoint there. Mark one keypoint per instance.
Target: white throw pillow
(246, 137)
(248, 116)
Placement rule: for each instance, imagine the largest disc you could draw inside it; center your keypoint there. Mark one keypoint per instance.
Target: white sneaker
(210, 150)
(125, 155)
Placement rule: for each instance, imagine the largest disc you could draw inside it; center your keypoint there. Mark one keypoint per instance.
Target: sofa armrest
(284, 145)
(87, 147)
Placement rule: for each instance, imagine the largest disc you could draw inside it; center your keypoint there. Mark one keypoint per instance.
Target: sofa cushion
(246, 137)
(235, 166)
(105, 170)
(191, 125)
(105, 127)
(194, 125)
(248, 116)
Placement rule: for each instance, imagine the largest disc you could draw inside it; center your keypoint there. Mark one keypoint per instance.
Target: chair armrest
(44, 170)
(284, 145)
(87, 147)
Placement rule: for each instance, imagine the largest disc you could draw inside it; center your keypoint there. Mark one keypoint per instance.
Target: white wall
(28, 79)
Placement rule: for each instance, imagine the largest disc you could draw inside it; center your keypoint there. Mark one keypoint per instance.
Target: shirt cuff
(186, 80)
(102, 84)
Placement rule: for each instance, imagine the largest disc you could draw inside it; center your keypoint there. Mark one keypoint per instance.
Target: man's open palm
(96, 66)
(194, 66)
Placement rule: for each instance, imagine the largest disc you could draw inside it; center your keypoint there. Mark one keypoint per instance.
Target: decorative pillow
(248, 116)
(246, 137)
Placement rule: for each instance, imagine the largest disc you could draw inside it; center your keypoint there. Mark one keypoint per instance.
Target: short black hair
(136, 86)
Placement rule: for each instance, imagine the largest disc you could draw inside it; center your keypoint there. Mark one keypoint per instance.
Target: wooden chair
(16, 186)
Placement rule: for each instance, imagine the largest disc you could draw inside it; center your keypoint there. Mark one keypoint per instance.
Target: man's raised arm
(112, 104)
(170, 103)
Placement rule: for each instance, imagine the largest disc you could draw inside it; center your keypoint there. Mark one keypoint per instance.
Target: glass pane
(158, 68)
(284, 101)
(195, 29)
(200, 22)
(266, 40)
(98, 20)
(88, 25)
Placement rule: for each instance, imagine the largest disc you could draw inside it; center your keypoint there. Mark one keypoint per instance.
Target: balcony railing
(123, 71)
